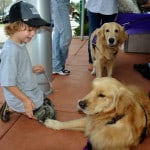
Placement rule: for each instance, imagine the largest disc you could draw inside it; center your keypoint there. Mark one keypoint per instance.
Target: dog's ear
(95, 36)
(124, 100)
(123, 35)
(100, 34)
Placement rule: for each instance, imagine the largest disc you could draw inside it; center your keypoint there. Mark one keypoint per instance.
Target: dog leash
(49, 82)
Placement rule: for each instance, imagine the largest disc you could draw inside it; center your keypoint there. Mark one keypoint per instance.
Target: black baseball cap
(27, 13)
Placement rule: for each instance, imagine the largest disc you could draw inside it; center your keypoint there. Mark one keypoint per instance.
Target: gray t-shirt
(16, 70)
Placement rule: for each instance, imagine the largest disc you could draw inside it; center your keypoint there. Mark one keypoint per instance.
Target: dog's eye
(101, 95)
(116, 30)
(107, 30)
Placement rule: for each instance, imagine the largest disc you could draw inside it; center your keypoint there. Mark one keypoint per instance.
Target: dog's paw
(93, 72)
(53, 124)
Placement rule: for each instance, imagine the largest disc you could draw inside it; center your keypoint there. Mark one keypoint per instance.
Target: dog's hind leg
(78, 124)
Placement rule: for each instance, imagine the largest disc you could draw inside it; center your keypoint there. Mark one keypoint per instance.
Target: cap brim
(36, 22)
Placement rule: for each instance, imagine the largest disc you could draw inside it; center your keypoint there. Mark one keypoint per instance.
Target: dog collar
(115, 119)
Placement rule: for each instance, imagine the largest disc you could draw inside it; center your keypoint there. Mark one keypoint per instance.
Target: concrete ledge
(138, 43)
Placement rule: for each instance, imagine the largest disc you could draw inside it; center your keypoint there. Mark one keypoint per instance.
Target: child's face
(25, 34)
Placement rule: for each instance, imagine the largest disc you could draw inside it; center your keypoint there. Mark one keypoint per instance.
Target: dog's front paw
(53, 124)
(93, 72)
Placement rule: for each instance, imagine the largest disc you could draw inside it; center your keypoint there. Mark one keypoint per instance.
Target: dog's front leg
(78, 124)
(94, 68)
(109, 68)
(99, 68)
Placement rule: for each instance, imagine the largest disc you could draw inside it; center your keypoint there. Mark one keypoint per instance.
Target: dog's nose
(111, 40)
(82, 104)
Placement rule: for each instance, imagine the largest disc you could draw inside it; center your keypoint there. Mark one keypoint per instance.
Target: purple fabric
(88, 146)
(135, 23)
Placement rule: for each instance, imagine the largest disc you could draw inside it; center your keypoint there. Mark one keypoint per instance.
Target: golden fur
(110, 38)
(107, 99)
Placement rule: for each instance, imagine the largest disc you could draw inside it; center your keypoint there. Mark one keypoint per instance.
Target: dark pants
(95, 21)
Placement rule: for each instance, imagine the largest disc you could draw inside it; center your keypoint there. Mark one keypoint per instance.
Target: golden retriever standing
(117, 116)
(105, 43)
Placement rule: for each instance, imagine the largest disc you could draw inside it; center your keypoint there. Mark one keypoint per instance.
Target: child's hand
(29, 107)
(38, 69)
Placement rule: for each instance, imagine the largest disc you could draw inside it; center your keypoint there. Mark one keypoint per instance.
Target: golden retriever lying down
(105, 43)
(117, 116)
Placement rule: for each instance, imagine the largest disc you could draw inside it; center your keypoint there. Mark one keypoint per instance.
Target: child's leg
(42, 113)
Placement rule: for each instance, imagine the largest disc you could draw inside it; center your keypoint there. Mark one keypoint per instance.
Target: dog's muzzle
(111, 41)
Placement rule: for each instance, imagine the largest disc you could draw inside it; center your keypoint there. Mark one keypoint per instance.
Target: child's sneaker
(63, 72)
(4, 113)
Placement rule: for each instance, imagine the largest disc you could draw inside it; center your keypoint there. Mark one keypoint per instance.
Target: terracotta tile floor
(22, 133)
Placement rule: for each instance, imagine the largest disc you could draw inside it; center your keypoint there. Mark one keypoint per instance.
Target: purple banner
(135, 23)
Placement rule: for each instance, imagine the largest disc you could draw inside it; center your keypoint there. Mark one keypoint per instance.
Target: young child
(21, 91)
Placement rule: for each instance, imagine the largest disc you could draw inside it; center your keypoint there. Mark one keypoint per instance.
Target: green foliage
(78, 30)
(76, 6)
(4, 4)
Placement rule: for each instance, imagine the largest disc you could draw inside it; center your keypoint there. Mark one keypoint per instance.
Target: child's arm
(38, 69)
(28, 103)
